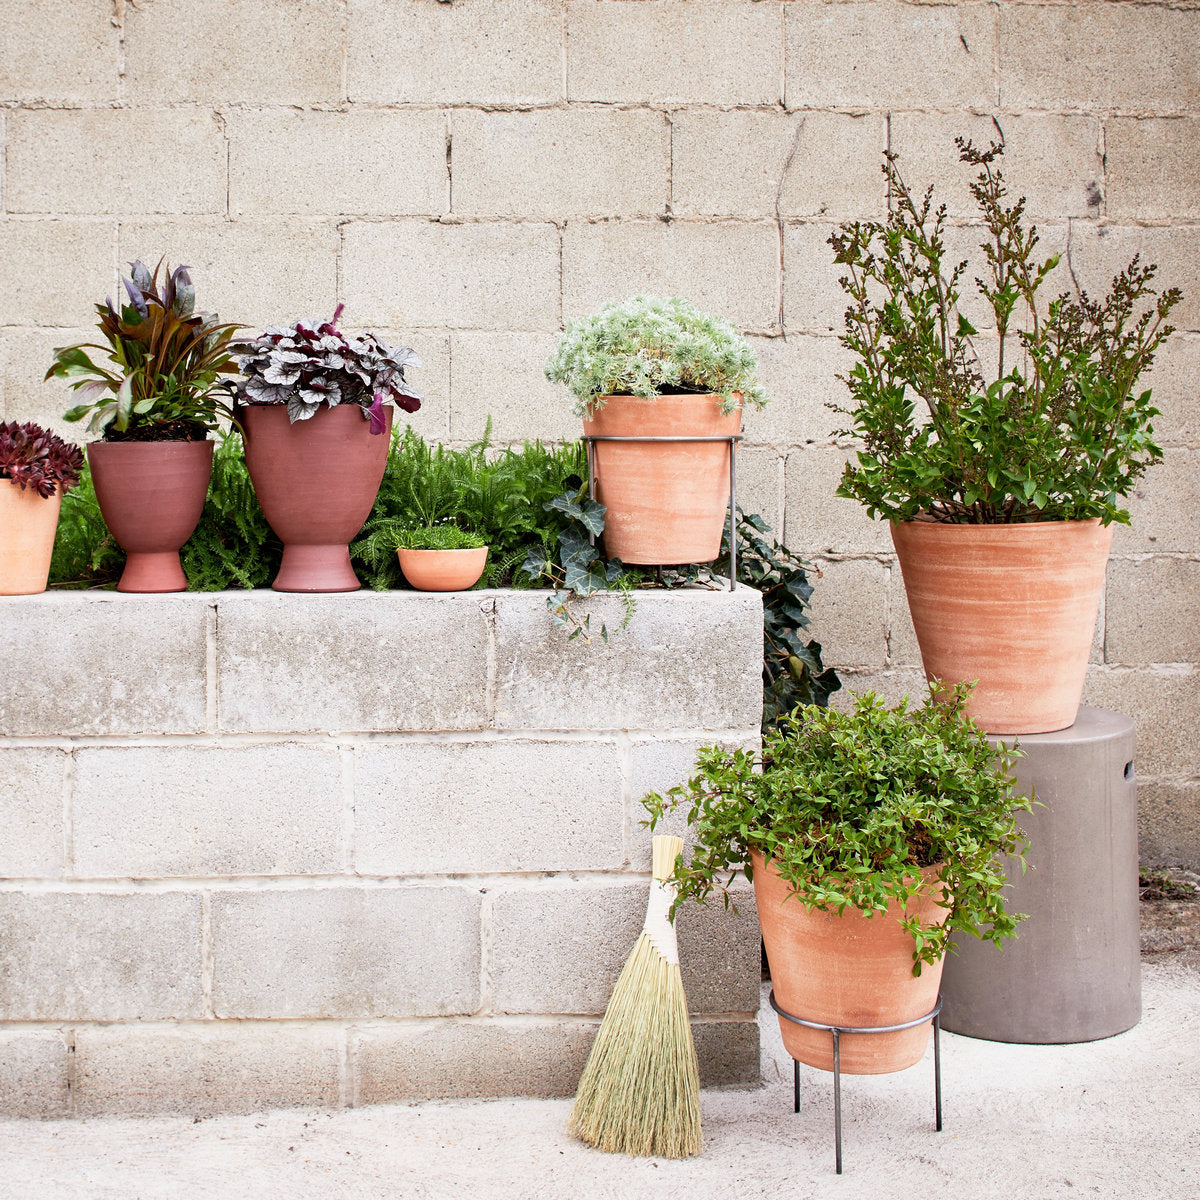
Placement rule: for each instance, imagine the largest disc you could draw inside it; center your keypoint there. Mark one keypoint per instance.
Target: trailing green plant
(1059, 431)
(161, 378)
(438, 537)
(851, 806)
(307, 365)
(648, 346)
(35, 458)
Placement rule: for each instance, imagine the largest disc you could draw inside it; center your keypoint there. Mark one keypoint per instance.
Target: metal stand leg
(796, 1084)
(937, 1068)
(837, 1098)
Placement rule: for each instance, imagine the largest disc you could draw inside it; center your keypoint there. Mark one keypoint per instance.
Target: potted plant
(870, 836)
(1002, 493)
(441, 558)
(653, 368)
(313, 405)
(154, 398)
(36, 468)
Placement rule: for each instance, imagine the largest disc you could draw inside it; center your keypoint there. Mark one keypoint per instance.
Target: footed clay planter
(1012, 606)
(151, 495)
(316, 481)
(27, 526)
(443, 570)
(666, 501)
(847, 970)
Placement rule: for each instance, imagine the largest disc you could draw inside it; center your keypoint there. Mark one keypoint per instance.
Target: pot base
(152, 571)
(307, 568)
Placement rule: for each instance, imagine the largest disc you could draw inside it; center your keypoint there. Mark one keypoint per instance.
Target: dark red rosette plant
(35, 458)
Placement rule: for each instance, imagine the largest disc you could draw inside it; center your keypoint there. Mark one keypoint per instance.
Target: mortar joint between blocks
(207, 956)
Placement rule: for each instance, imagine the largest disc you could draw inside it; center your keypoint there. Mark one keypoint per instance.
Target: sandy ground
(1114, 1118)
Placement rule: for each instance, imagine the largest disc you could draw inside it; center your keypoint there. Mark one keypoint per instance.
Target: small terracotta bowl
(443, 570)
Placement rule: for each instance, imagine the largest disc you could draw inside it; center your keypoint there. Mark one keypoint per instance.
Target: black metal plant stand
(837, 1031)
(592, 438)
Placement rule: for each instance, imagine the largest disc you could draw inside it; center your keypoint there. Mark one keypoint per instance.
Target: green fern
(85, 554)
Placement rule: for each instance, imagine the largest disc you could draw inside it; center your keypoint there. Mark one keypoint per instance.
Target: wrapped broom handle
(658, 927)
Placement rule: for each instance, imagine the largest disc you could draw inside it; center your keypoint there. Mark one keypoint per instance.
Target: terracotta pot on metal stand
(848, 970)
(151, 495)
(28, 523)
(316, 481)
(1013, 606)
(666, 501)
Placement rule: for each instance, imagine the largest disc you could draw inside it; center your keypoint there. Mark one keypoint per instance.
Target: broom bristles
(640, 1090)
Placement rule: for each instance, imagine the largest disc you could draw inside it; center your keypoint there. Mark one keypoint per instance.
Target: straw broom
(640, 1090)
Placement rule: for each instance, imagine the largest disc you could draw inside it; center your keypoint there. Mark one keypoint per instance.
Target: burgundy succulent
(33, 457)
(306, 365)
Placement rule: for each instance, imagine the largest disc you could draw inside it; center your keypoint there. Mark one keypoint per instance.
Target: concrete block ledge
(267, 849)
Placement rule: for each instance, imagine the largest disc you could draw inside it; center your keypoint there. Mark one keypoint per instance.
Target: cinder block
(701, 649)
(1098, 57)
(1174, 380)
(1168, 823)
(430, 53)
(1164, 703)
(524, 406)
(1144, 619)
(345, 662)
(558, 163)
(817, 521)
(202, 1070)
(1055, 162)
(271, 51)
(903, 649)
(1162, 507)
(530, 806)
(79, 161)
(619, 259)
(353, 163)
(424, 273)
(849, 613)
(560, 949)
(892, 685)
(1150, 167)
(355, 952)
(99, 663)
(259, 272)
(33, 1074)
(813, 300)
(760, 484)
(675, 51)
(800, 374)
(24, 358)
(209, 810)
(1098, 252)
(733, 163)
(728, 1052)
(99, 956)
(888, 54)
(58, 51)
(451, 1059)
(32, 785)
(54, 272)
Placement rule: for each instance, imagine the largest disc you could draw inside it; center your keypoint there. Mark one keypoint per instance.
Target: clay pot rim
(925, 521)
(460, 550)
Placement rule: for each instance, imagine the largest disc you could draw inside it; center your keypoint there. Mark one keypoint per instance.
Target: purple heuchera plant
(307, 365)
(33, 457)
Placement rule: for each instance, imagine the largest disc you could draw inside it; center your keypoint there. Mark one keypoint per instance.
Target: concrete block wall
(266, 849)
(468, 176)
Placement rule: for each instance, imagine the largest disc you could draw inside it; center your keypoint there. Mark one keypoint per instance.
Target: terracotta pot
(316, 481)
(1012, 606)
(666, 501)
(151, 495)
(443, 570)
(848, 970)
(27, 526)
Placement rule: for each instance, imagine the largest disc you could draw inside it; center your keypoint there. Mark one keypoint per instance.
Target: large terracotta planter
(847, 970)
(1012, 606)
(443, 570)
(316, 481)
(151, 495)
(666, 501)
(27, 526)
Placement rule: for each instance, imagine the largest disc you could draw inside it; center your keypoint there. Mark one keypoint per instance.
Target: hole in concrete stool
(1129, 769)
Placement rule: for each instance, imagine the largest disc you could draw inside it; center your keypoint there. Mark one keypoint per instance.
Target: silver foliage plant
(649, 346)
(307, 364)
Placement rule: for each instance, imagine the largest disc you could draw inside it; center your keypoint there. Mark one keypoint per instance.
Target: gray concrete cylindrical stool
(1072, 974)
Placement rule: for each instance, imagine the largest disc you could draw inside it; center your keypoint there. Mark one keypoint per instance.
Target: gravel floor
(1115, 1118)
